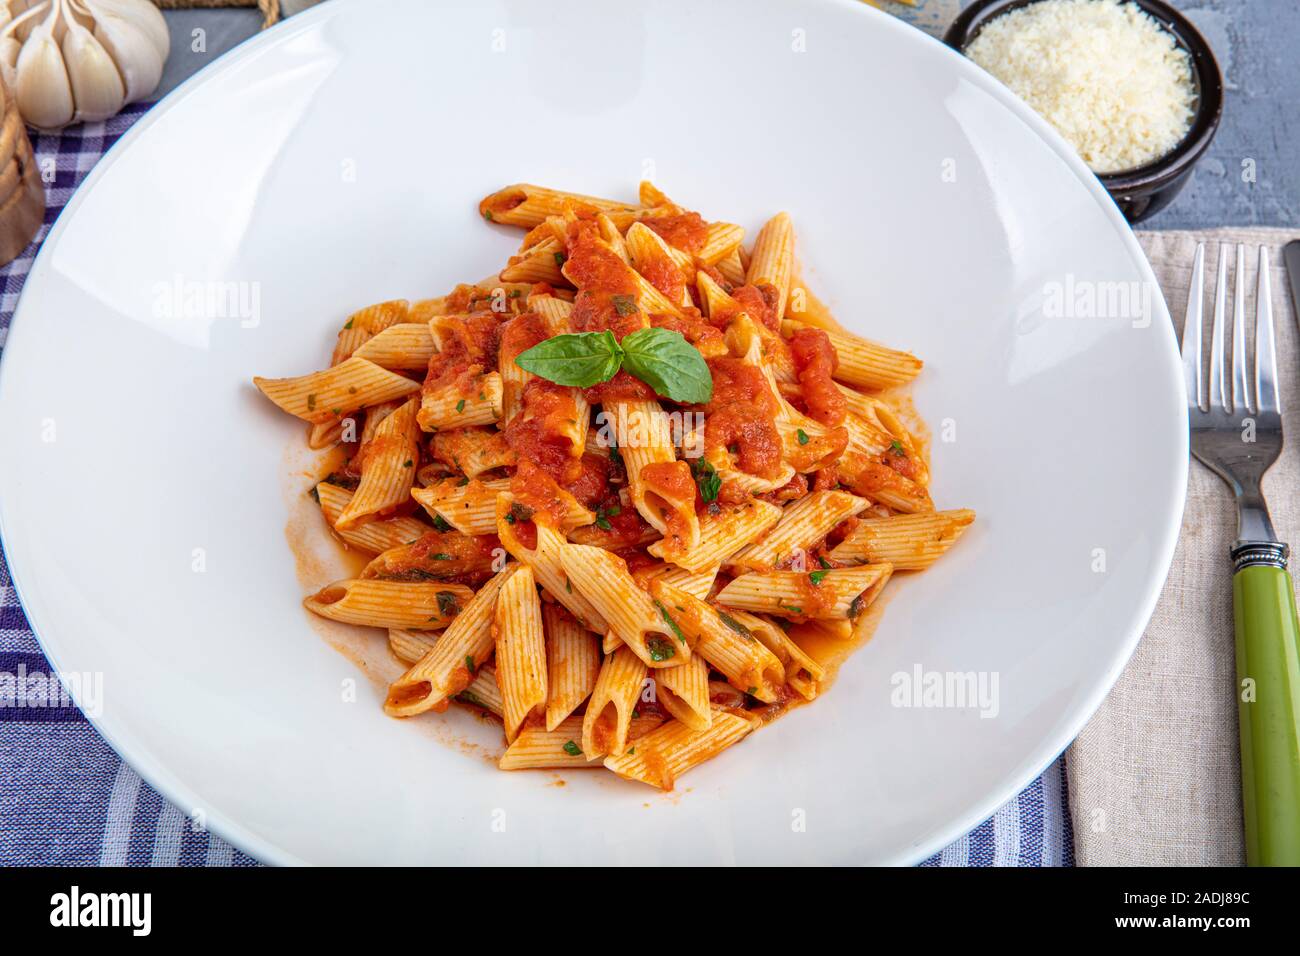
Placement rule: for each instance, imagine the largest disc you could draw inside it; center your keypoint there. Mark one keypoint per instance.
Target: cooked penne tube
(572, 663)
(603, 579)
(803, 525)
(365, 323)
(555, 310)
(455, 657)
(840, 594)
(527, 205)
(457, 406)
(802, 673)
(406, 346)
(732, 267)
(472, 451)
(545, 560)
(372, 534)
(327, 396)
(387, 467)
(684, 692)
(662, 488)
(722, 240)
(609, 711)
(724, 533)
(878, 482)
(409, 646)
(538, 748)
(910, 542)
(374, 603)
(520, 651)
(772, 259)
(540, 264)
(862, 362)
(652, 257)
(663, 755)
(468, 506)
(698, 583)
(729, 647)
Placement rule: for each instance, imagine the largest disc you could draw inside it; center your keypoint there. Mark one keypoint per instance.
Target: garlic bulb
(69, 61)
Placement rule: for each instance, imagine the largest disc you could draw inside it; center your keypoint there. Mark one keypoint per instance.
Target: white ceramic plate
(336, 161)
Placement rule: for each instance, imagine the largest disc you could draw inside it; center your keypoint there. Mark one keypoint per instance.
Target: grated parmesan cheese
(1109, 77)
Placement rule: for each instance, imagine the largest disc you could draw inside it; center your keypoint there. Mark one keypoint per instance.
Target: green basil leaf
(669, 364)
(575, 358)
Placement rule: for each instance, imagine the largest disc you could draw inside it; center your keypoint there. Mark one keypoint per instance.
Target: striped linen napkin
(67, 799)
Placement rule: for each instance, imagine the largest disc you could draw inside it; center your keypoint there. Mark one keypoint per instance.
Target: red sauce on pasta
(814, 361)
(687, 231)
(742, 416)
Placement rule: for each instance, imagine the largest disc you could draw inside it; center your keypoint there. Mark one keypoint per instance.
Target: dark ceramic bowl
(1143, 191)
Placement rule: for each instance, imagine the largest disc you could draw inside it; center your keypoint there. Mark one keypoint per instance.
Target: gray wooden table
(1257, 43)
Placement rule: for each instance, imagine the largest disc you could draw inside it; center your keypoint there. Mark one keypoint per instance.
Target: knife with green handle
(1268, 711)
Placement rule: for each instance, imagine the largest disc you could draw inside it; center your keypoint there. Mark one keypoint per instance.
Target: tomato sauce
(742, 415)
(815, 361)
(687, 231)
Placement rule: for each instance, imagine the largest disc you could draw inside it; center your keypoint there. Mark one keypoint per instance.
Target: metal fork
(1237, 434)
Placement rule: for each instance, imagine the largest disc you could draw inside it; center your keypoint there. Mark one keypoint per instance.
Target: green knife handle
(1268, 710)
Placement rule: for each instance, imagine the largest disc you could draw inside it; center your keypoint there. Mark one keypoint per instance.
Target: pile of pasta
(617, 590)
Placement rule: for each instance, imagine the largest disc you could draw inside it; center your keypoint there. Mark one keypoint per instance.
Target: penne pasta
(520, 651)
(841, 594)
(609, 712)
(728, 646)
(802, 526)
(555, 748)
(455, 657)
(325, 397)
(403, 604)
(866, 363)
(459, 406)
(632, 618)
(664, 754)
(371, 534)
(388, 463)
(910, 542)
(572, 664)
(674, 584)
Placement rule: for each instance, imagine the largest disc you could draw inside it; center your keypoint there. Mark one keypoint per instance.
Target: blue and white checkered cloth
(67, 799)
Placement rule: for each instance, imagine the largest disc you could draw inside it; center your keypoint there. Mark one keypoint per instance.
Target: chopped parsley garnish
(735, 625)
(624, 304)
(311, 402)
(792, 609)
(671, 623)
(706, 479)
(561, 259)
(487, 214)
(440, 523)
(802, 436)
(408, 463)
(460, 406)
(823, 562)
(660, 649)
(441, 556)
(604, 514)
(816, 577)
(572, 749)
(469, 663)
(447, 604)
(897, 448)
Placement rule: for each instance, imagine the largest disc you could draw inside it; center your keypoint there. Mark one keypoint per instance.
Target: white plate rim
(152, 770)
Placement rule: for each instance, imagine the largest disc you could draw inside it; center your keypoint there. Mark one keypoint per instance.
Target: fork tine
(1217, 391)
(1241, 402)
(1266, 397)
(1192, 331)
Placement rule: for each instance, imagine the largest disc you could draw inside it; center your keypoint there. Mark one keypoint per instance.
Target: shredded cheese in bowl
(1109, 77)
